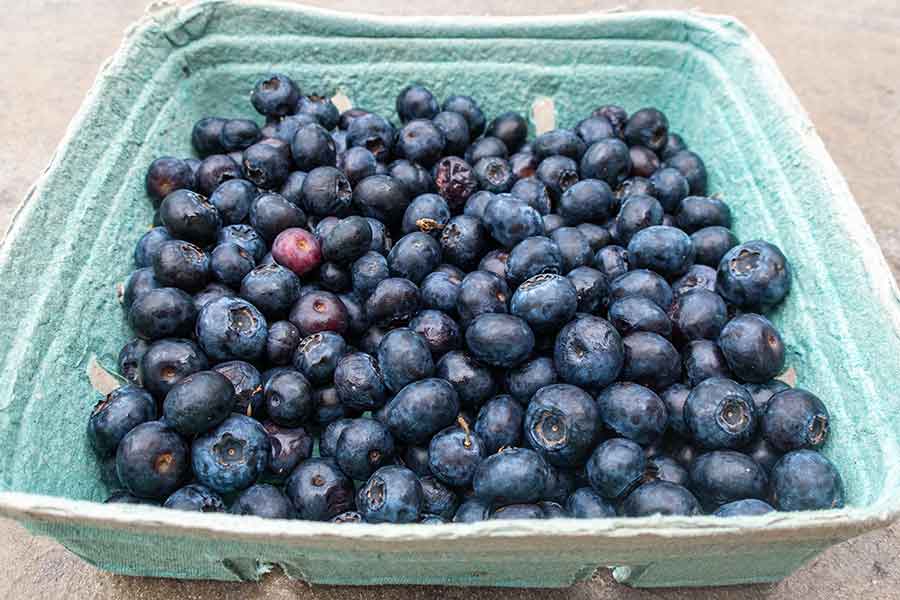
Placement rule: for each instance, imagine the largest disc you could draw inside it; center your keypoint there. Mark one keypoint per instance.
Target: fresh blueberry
(358, 382)
(152, 460)
(463, 241)
(591, 288)
(647, 127)
(168, 361)
(331, 434)
(437, 498)
(511, 221)
(392, 494)
(510, 127)
(232, 456)
(416, 459)
(188, 216)
(247, 383)
(499, 340)
(666, 250)
(148, 246)
(481, 292)
(285, 128)
(404, 357)
(533, 256)
(414, 256)
(421, 409)
(562, 424)
(271, 213)
(319, 490)
(719, 413)
(199, 402)
(428, 213)
(674, 398)
(213, 172)
(585, 503)
(472, 510)
(588, 352)
(454, 455)
(499, 423)
(644, 283)
(763, 392)
(703, 359)
(266, 165)
(607, 160)
(362, 447)
(288, 397)
(633, 411)
(281, 342)
(616, 116)
(275, 95)
(246, 237)
(469, 109)
(263, 500)
(795, 419)
(806, 480)
(697, 212)
(206, 135)
(670, 187)
(472, 381)
(317, 356)
(711, 244)
(523, 165)
(356, 163)
(334, 277)
(752, 347)
(394, 301)
(661, 498)
(229, 263)
(644, 161)
(595, 128)
(523, 381)
(440, 331)
(326, 191)
(616, 467)
(349, 239)
(181, 264)
(546, 302)
(612, 261)
(697, 277)
(373, 133)
(328, 406)
(476, 203)
(319, 311)
(495, 262)
(494, 174)
(162, 312)
(239, 134)
(558, 173)
(723, 476)
(421, 142)
(754, 274)
(455, 129)
(230, 328)
(195, 497)
(634, 186)
(486, 147)
(122, 410)
(512, 475)
(637, 313)
(320, 107)
(698, 315)
(668, 469)
(640, 212)
(574, 248)
(455, 181)
(531, 191)
(749, 507)
(564, 142)
(413, 178)
(416, 102)
(692, 167)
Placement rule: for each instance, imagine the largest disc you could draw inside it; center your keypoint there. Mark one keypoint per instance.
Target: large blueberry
(562, 423)
(723, 476)
(616, 467)
(642, 282)
(199, 402)
(317, 356)
(272, 289)
(152, 460)
(473, 382)
(585, 503)
(319, 490)
(392, 494)
(661, 498)
(440, 331)
(414, 256)
(512, 475)
(720, 414)
(288, 397)
(454, 455)
(753, 348)
(650, 360)
(666, 250)
(394, 301)
(633, 411)
(588, 352)
(806, 480)
(499, 423)
(703, 359)
(526, 379)
(421, 409)
(232, 456)
(481, 292)
(364, 446)
(637, 313)
(510, 221)
(499, 340)
(167, 361)
(263, 500)
(754, 275)
(546, 302)
(795, 419)
(161, 313)
(464, 240)
(359, 383)
(404, 357)
(533, 256)
(230, 328)
(122, 410)
(247, 383)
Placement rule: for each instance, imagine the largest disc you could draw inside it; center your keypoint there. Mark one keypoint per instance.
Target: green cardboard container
(70, 243)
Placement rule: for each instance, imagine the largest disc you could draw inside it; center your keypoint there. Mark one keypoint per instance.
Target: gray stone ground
(842, 58)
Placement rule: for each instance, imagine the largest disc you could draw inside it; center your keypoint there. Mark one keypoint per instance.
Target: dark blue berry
(421, 142)
(129, 360)
(181, 264)
(206, 135)
(637, 313)
(229, 263)
(195, 497)
(591, 288)
(481, 292)
(281, 342)
(231, 328)
(588, 352)
(595, 128)
(414, 256)
(666, 250)
(499, 423)
(754, 274)
(523, 381)
(148, 246)
(152, 460)
(416, 102)
(644, 283)
(511, 221)
(703, 359)
(238, 134)
(288, 448)
(720, 414)
(585, 503)
(511, 127)
(364, 446)
(122, 410)
(438, 499)
(169, 360)
(636, 213)
(661, 498)
(670, 187)
(319, 490)
(162, 312)
(455, 130)
(288, 397)
(562, 424)
(214, 171)
(647, 127)
(275, 95)
(404, 357)
(795, 419)
(428, 213)
(531, 191)
(392, 494)
(752, 347)
(612, 261)
(199, 402)
(698, 276)
(533, 256)
(697, 212)
(454, 455)
(723, 476)
(558, 173)
(393, 302)
(499, 340)
(248, 386)
(246, 237)
(486, 147)
(633, 411)
(263, 500)
(472, 381)
(806, 480)
(711, 244)
(421, 409)
(358, 382)
(607, 160)
(469, 109)
(510, 476)
(616, 467)
(473, 510)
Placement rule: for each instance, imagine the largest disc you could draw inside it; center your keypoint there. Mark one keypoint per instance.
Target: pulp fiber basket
(71, 242)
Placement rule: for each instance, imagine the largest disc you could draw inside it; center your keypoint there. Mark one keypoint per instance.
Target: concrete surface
(842, 58)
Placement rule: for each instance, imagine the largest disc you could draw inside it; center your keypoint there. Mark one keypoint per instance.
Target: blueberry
(499, 340)
(529, 190)
(246, 237)
(421, 142)
(472, 510)
(698, 314)
(469, 109)
(394, 301)
(181, 264)
(477, 202)
(319, 311)
(763, 392)
(232, 456)
(229, 263)
(637, 313)
(199, 402)
(692, 167)
(368, 342)
(421, 409)
(616, 116)
(666, 250)
(263, 500)
(644, 161)
(607, 160)
(523, 165)
(281, 342)
(720, 414)
(288, 448)
(635, 186)
(481, 292)
(334, 277)
(162, 312)
(749, 507)
(373, 133)
(616, 467)
(215, 170)
(428, 213)
(122, 410)
(327, 191)
(661, 498)
(558, 173)
(697, 212)
(763, 453)
(167, 361)
(499, 423)
(275, 95)
(414, 256)
(702, 360)
(668, 469)
(455, 130)
(271, 213)
(670, 187)
(494, 174)
(363, 446)
(518, 511)
(349, 239)
(795, 419)
(148, 246)
(712, 243)
(562, 424)
(247, 383)
(472, 381)
(437, 498)
(332, 433)
(523, 381)
(288, 397)
(413, 178)
(486, 147)
(416, 102)
(328, 406)
(754, 274)
(319, 490)
(633, 411)
(612, 261)
(358, 382)
(510, 127)
(588, 352)
(674, 144)
(597, 237)
(591, 288)
(357, 164)
(752, 347)
(454, 455)
(212, 291)
(674, 398)
(723, 476)
(404, 357)
(647, 127)
(230, 328)
(563, 142)
(585, 503)
(381, 197)
(285, 128)
(266, 165)
(317, 356)
(532, 256)
(455, 181)
(320, 107)
(416, 459)
(495, 262)
(595, 128)
(238, 134)
(206, 136)
(440, 331)
(640, 212)
(195, 497)
(546, 302)
(392, 494)
(697, 277)
(152, 460)
(510, 476)
(463, 241)
(806, 480)
(644, 283)
(574, 248)
(129, 360)
(188, 216)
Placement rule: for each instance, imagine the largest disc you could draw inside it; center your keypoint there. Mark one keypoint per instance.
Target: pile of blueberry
(564, 327)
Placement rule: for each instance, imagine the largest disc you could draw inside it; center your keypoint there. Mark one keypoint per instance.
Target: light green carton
(70, 243)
